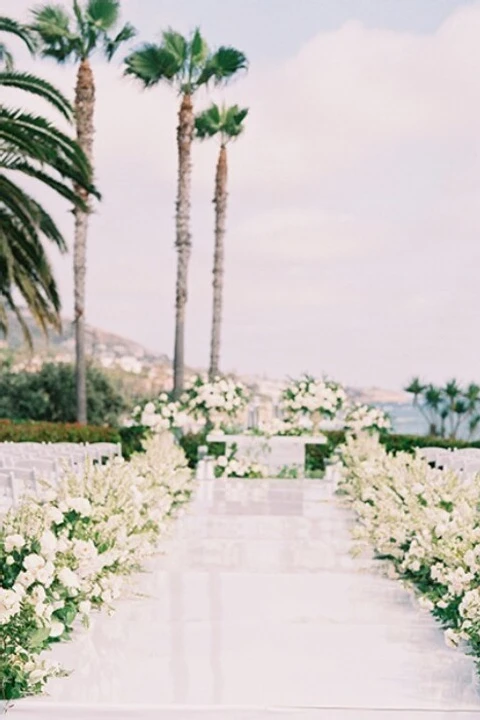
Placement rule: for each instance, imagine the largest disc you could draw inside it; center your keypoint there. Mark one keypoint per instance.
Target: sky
(353, 244)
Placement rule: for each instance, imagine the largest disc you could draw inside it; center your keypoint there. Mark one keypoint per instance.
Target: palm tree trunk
(84, 111)
(186, 125)
(220, 202)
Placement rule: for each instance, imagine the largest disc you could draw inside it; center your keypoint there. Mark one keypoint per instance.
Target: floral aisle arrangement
(162, 414)
(365, 418)
(426, 523)
(229, 466)
(214, 402)
(312, 400)
(66, 553)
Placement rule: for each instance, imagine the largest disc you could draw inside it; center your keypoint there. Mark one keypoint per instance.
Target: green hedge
(11, 431)
(132, 437)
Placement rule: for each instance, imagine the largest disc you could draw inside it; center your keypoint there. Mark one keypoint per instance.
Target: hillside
(137, 371)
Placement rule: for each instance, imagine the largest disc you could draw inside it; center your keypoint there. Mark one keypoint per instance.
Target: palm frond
(152, 63)
(39, 139)
(6, 57)
(128, 32)
(226, 121)
(222, 65)
(177, 45)
(103, 14)
(199, 50)
(13, 27)
(37, 86)
(52, 25)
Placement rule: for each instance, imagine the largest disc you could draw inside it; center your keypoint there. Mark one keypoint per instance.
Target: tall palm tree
(187, 64)
(33, 147)
(76, 37)
(226, 123)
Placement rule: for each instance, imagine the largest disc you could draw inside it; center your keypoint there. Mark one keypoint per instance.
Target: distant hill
(136, 370)
(99, 343)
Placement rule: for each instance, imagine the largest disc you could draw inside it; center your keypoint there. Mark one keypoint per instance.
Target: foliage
(75, 37)
(226, 122)
(191, 442)
(65, 554)
(425, 523)
(49, 395)
(32, 147)
(57, 432)
(187, 63)
(131, 438)
(449, 409)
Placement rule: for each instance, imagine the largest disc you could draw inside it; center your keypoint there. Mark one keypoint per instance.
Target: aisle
(257, 604)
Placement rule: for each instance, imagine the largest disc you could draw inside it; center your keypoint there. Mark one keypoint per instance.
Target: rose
(13, 542)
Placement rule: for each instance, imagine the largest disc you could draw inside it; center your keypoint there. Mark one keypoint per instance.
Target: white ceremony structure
(276, 453)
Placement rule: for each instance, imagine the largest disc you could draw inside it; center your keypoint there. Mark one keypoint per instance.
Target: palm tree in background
(92, 26)
(226, 123)
(31, 146)
(187, 64)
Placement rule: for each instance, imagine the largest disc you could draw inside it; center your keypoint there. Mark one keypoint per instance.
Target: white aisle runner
(258, 611)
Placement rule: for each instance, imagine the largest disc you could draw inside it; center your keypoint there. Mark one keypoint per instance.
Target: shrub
(49, 395)
(56, 432)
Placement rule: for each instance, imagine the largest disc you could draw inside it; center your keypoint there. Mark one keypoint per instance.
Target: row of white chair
(465, 461)
(22, 465)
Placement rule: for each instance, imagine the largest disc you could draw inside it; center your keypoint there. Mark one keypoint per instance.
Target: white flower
(9, 560)
(33, 562)
(54, 516)
(85, 607)
(80, 505)
(10, 601)
(14, 542)
(68, 578)
(48, 543)
(452, 638)
(425, 603)
(56, 629)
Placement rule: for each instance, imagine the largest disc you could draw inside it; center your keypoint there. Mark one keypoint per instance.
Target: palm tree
(417, 388)
(64, 37)
(187, 64)
(227, 124)
(433, 405)
(32, 146)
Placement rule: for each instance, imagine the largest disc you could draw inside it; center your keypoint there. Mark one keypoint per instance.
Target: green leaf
(36, 86)
(39, 637)
(127, 33)
(198, 49)
(152, 64)
(176, 44)
(13, 27)
(104, 14)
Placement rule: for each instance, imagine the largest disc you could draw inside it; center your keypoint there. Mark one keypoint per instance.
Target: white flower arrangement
(162, 414)
(312, 400)
(426, 523)
(65, 554)
(228, 466)
(361, 418)
(216, 401)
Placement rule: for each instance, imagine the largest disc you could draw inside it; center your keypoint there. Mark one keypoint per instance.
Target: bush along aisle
(66, 553)
(425, 522)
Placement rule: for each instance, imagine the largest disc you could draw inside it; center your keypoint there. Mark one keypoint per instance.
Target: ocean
(405, 418)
